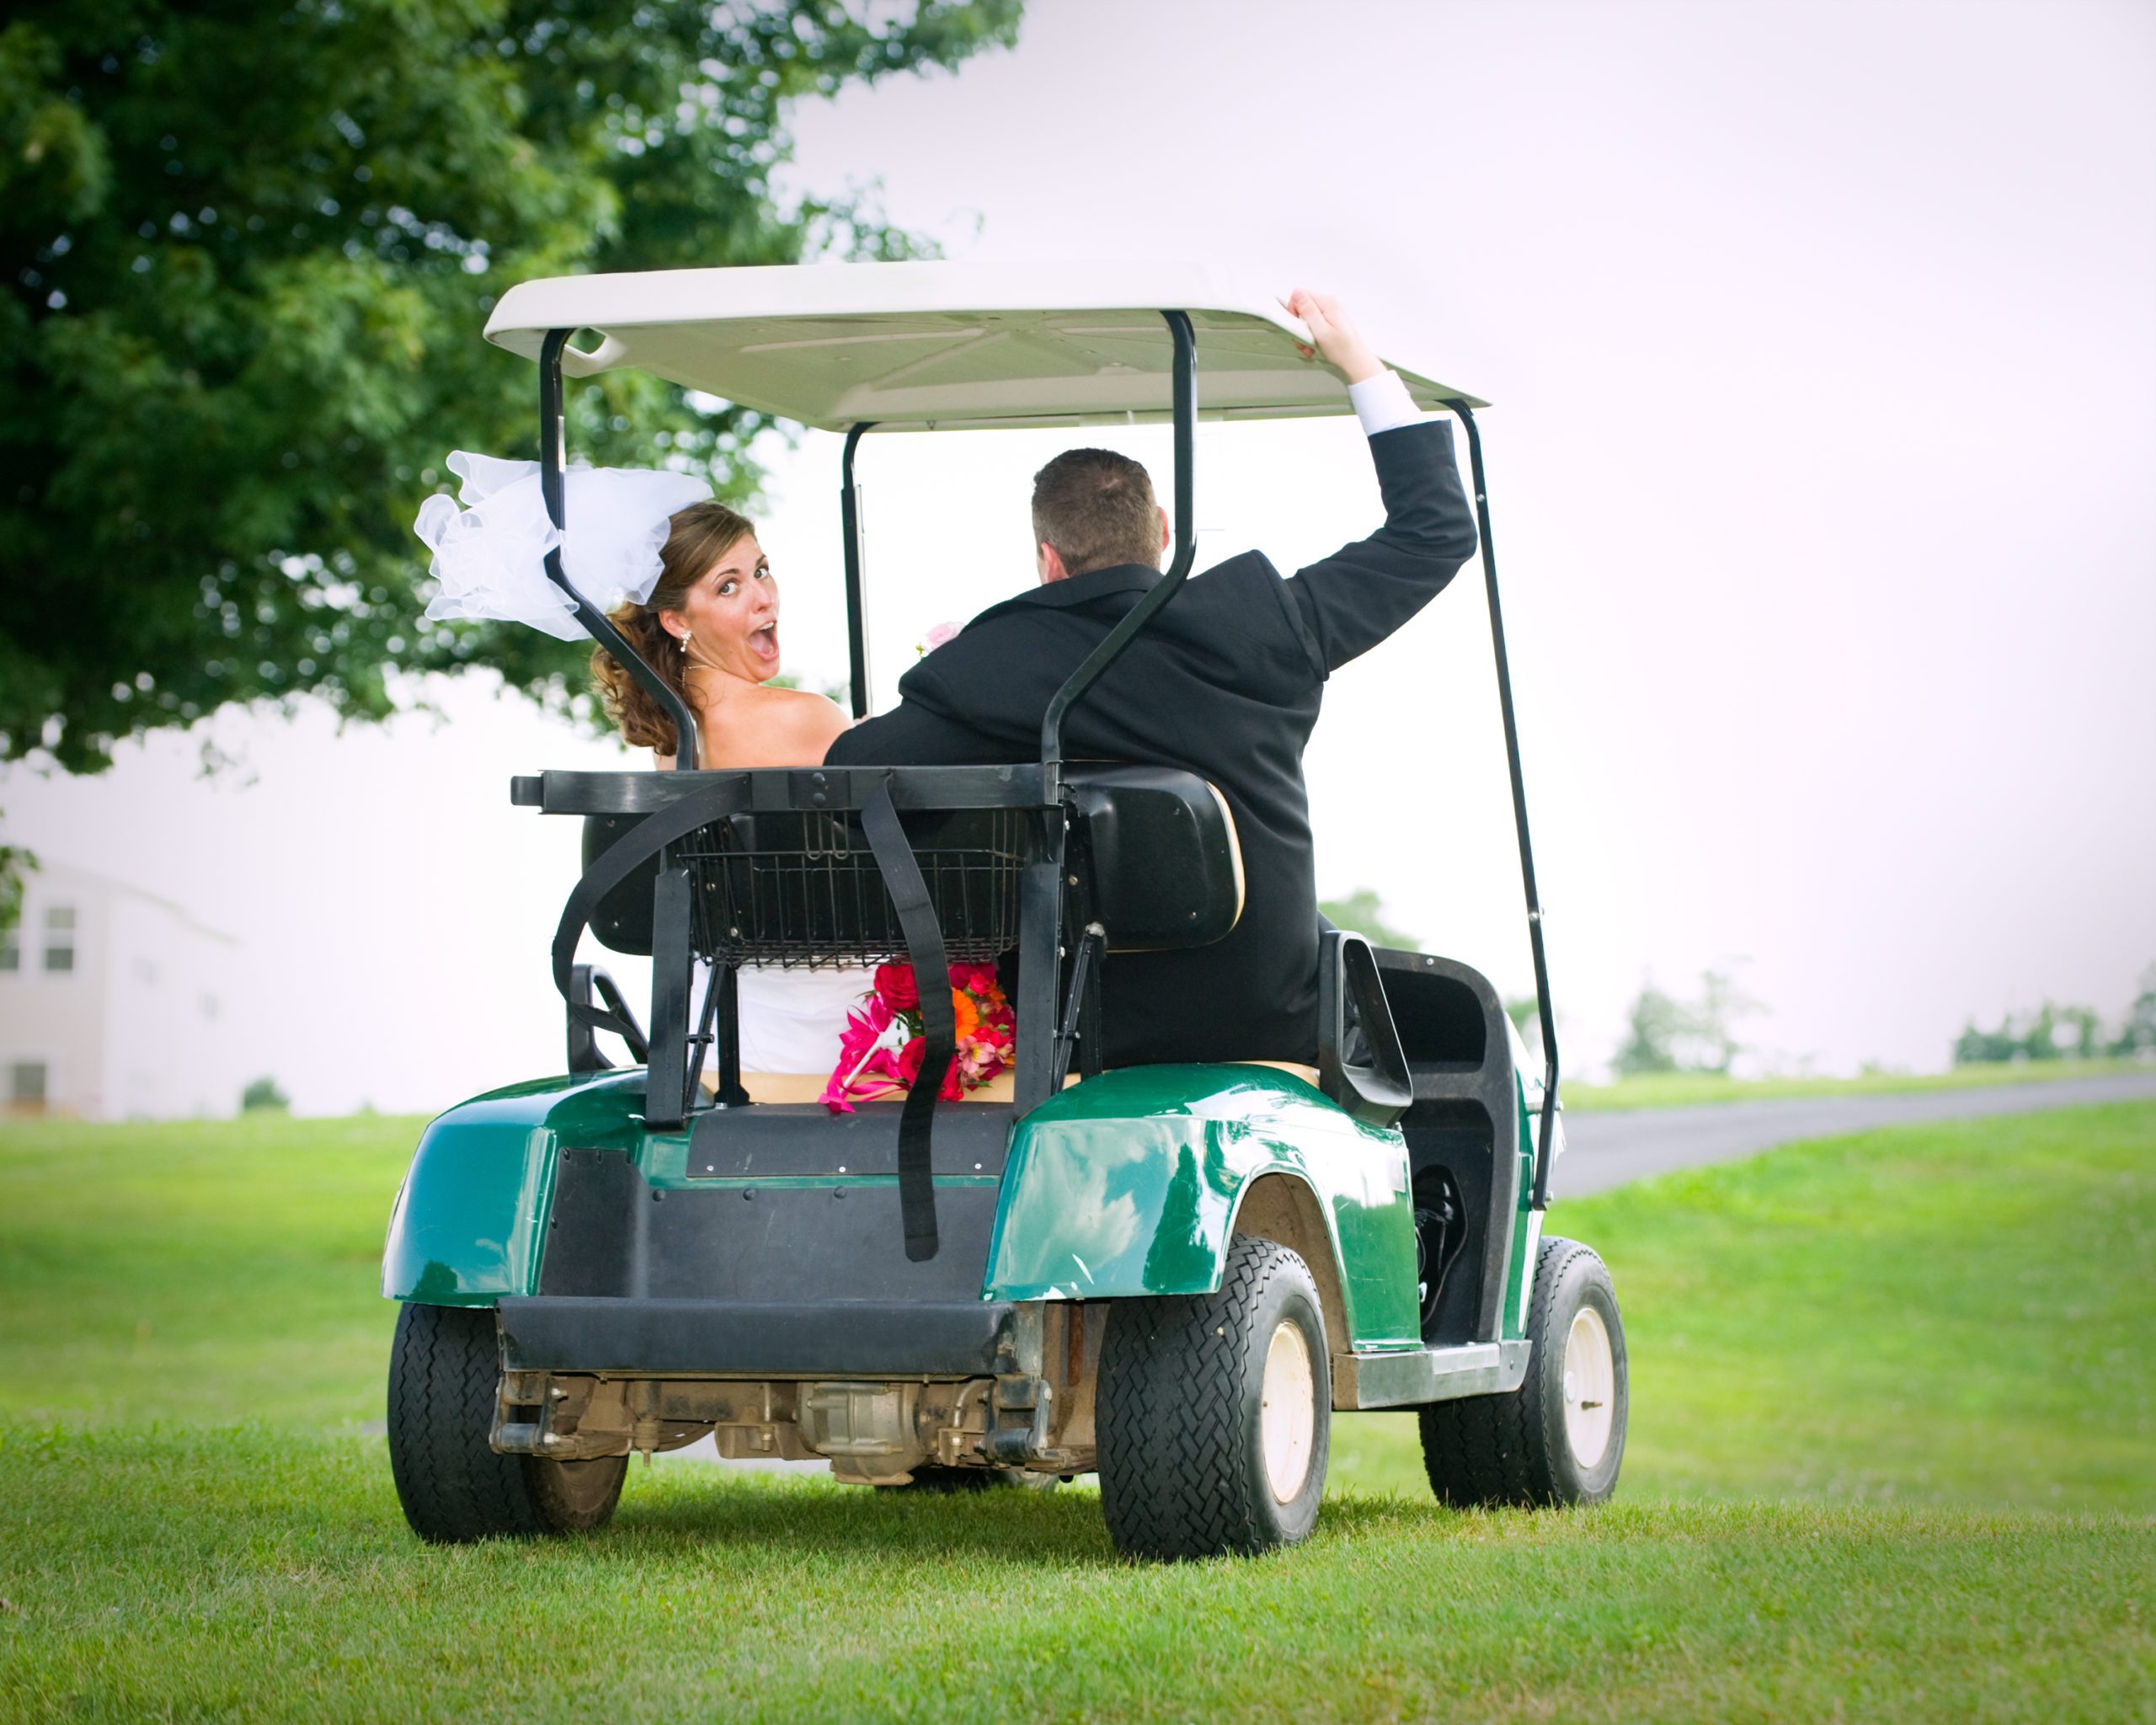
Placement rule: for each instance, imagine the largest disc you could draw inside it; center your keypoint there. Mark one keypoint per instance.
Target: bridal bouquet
(881, 1052)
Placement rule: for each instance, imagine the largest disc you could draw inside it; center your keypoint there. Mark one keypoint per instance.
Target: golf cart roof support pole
(552, 488)
(1102, 657)
(1519, 812)
(856, 616)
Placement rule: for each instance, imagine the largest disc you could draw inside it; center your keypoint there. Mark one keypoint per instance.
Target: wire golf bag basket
(801, 889)
(804, 891)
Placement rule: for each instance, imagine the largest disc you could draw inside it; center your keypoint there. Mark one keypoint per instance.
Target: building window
(11, 949)
(26, 1085)
(60, 938)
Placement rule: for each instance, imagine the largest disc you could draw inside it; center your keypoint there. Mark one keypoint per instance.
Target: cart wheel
(1559, 1437)
(443, 1370)
(1215, 1413)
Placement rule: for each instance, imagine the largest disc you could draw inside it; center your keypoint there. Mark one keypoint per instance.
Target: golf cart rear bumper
(739, 1339)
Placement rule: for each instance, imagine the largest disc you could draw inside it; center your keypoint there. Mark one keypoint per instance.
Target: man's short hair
(1096, 509)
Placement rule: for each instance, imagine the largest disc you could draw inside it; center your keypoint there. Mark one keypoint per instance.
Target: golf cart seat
(1156, 863)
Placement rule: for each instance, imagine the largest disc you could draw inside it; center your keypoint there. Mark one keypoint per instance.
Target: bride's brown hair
(698, 537)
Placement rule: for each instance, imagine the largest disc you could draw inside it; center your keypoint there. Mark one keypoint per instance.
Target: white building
(115, 1005)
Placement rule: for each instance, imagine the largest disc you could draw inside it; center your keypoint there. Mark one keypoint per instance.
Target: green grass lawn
(1667, 1090)
(1893, 1456)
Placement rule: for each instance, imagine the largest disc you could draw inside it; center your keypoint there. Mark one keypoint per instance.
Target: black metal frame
(1546, 1017)
(1050, 1031)
(1185, 385)
(856, 608)
(552, 485)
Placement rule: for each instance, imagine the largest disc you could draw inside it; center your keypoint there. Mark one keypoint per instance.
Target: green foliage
(1525, 1011)
(2051, 1033)
(1650, 1031)
(1364, 911)
(2138, 1034)
(1665, 1034)
(247, 251)
(2054, 1032)
(264, 1093)
(17, 865)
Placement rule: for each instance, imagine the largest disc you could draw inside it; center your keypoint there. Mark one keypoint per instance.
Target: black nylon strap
(902, 878)
(630, 852)
(931, 975)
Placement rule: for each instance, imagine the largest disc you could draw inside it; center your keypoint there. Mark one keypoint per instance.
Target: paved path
(1603, 1150)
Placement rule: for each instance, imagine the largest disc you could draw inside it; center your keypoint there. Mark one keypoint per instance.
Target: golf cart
(1170, 1275)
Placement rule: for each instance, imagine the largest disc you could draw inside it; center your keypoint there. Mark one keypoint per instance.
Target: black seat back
(1166, 869)
(1154, 846)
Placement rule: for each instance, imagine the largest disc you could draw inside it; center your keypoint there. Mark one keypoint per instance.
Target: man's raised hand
(1339, 344)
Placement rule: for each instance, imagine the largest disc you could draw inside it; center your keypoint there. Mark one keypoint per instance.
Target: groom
(1225, 682)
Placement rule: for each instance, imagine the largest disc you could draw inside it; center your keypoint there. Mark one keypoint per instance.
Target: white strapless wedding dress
(791, 1020)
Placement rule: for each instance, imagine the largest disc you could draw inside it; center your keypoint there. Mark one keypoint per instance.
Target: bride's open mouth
(763, 643)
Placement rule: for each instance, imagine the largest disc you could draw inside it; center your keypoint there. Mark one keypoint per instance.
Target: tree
(2084, 1037)
(15, 862)
(1664, 1034)
(2137, 1035)
(1722, 1003)
(1525, 1011)
(1364, 911)
(247, 250)
(2051, 1033)
(1652, 1031)
(263, 1094)
(1974, 1047)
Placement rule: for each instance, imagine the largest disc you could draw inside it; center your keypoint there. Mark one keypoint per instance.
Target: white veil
(490, 545)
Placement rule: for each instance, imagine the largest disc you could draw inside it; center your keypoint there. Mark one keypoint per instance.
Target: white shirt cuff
(1383, 403)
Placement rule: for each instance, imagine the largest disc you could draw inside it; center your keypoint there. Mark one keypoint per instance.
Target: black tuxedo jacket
(1226, 681)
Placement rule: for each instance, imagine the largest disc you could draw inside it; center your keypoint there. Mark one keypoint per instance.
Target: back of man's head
(1096, 509)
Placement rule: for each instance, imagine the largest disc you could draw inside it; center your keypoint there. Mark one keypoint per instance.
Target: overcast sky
(1821, 343)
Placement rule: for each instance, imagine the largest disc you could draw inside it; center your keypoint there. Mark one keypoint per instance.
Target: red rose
(910, 1059)
(895, 984)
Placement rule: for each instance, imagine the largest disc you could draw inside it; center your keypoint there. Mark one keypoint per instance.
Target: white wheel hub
(1288, 1412)
(1590, 1387)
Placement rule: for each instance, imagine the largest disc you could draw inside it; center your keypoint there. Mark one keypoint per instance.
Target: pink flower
(881, 1051)
(862, 1051)
(937, 636)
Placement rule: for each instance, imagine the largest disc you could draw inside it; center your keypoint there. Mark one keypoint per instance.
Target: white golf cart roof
(948, 346)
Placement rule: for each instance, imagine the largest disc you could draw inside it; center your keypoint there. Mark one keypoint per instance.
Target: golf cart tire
(443, 1371)
(1516, 1447)
(1181, 1417)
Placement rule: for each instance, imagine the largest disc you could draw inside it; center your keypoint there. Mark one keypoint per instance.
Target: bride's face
(731, 615)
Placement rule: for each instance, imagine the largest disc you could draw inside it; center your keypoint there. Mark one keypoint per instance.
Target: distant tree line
(1666, 1034)
(2055, 1033)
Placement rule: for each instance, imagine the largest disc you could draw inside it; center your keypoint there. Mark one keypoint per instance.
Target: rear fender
(1132, 1184)
(470, 1221)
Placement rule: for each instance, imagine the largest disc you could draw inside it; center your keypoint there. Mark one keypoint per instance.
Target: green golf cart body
(1169, 1275)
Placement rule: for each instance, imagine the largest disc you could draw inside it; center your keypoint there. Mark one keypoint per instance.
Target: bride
(691, 590)
(709, 626)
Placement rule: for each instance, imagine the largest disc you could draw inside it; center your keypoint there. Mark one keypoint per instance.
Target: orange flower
(961, 1008)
